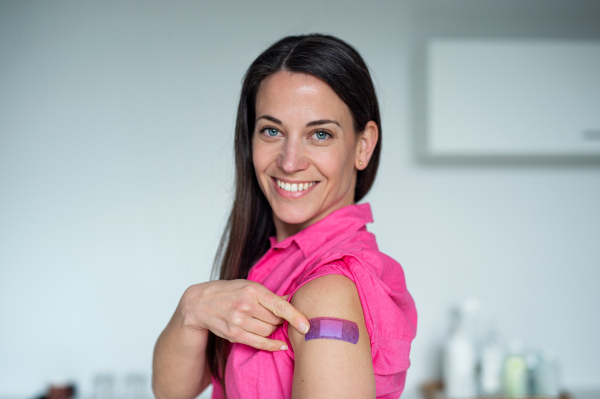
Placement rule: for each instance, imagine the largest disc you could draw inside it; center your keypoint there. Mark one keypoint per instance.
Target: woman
(296, 253)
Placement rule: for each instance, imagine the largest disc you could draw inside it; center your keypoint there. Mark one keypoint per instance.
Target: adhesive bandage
(332, 328)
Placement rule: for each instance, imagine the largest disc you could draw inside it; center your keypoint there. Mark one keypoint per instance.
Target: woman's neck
(284, 230)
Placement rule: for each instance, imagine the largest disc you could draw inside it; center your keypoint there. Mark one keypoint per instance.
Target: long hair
(246, 235)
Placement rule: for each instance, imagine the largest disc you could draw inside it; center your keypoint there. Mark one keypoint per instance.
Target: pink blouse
(337, 244)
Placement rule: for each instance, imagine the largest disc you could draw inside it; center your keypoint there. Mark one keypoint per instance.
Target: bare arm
(179, 367)
(238, 310)
(328, 368)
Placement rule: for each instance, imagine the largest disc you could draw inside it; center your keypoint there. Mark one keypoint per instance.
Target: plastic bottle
(532, 359)
(492, 361)
(546, 375)
(514, 381)
(459, 361)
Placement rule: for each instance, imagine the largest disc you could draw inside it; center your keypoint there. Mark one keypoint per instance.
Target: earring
(360, 162)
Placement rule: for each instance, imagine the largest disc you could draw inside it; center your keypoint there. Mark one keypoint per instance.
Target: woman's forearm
(238, 310)
(180, 370)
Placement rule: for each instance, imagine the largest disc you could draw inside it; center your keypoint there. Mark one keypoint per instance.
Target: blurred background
(116, 173)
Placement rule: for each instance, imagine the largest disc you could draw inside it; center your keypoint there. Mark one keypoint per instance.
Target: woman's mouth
(293, 187)
(289, 189)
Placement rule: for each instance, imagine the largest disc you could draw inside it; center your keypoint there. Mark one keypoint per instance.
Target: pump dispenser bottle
(459, 360)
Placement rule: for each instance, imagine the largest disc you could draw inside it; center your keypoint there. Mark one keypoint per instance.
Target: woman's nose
(292, 159)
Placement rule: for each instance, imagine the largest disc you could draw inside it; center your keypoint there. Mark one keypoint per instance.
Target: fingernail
(303, 327)
(283, 347)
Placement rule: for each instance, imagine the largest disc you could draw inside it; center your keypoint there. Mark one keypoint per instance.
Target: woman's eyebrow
(322, 122)
(309, 124)
(269, 118)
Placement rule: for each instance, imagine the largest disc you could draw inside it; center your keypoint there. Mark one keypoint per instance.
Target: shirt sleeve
(390, 317)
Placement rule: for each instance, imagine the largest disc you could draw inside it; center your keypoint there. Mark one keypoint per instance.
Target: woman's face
(305, 150)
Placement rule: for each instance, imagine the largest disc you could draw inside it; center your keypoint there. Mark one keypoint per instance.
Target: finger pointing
(280, 307)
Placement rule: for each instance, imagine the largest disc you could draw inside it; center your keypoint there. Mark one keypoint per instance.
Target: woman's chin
(292, 215)
(294, 220)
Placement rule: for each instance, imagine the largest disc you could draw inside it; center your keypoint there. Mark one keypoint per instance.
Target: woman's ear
(367, 140)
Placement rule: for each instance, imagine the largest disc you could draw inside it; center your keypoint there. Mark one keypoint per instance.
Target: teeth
(294, 187)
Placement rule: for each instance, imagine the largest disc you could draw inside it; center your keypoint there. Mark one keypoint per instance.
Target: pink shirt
(337, 244)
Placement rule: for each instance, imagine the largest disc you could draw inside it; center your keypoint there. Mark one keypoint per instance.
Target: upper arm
(329, 368)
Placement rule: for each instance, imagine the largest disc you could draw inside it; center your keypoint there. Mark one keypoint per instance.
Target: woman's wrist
(188, 317)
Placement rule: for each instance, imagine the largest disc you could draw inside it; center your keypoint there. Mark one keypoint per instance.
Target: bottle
(515, 377)
(492, 360)
(546, 375)
(532, 360)
(459, 361)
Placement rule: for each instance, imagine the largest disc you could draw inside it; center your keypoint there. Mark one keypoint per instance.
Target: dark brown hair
(246, 235)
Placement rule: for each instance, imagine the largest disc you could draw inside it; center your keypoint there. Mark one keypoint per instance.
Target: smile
(294, 187)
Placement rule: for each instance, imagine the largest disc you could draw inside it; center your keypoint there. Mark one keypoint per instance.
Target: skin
(329, 368)
(238, 310)
(304, 133)
(245, 311)
(329, 154)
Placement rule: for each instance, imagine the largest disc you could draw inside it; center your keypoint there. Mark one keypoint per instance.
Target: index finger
(280, 307)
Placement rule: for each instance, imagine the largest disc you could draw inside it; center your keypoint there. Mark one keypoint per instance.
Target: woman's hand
(240, 311)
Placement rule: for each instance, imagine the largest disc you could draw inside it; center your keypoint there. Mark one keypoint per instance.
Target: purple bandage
(332, 328)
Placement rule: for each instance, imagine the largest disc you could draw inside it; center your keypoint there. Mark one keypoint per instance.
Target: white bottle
(459, 362)
(492, 361)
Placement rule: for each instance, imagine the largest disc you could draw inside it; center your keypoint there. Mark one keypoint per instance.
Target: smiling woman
(296, 257)
(305, 151)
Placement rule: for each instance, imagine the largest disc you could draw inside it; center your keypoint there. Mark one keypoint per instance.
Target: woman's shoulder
(359, 250)
(357, 269)
(379, 279)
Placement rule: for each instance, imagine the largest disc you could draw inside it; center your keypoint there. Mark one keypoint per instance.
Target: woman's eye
(321, 135)
(272, 131)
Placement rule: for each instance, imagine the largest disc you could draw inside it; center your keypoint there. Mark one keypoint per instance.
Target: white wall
(116, 127)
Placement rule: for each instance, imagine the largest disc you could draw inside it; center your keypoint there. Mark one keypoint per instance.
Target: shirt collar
(347, 219)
